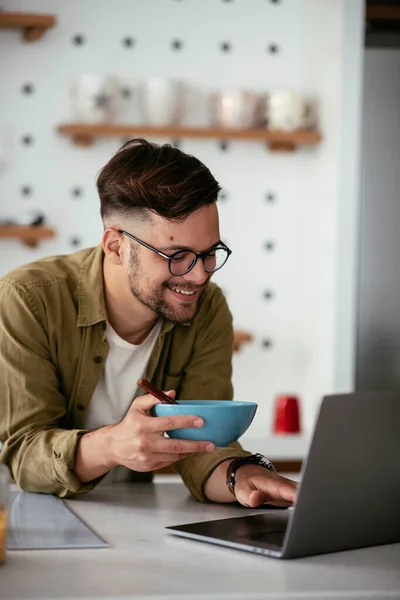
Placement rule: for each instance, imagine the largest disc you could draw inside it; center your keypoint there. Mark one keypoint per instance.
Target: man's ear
(113, 245)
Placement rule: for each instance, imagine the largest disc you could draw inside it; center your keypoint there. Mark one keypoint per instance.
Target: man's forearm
(215, 487)
(93, 457)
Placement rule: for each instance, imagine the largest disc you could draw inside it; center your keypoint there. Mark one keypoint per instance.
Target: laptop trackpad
(266, 529)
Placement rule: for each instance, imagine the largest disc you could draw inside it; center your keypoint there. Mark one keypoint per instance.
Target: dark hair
(143, 176)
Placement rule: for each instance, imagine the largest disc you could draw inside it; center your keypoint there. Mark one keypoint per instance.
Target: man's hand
(137, 442)
(254, 486)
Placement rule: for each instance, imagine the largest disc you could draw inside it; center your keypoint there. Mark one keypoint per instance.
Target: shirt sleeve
(39, 453)
(209, 376)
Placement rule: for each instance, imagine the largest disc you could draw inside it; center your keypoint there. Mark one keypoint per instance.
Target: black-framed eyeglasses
(183, 261)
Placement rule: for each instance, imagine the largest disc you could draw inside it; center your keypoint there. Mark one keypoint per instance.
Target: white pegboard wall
(279, 210)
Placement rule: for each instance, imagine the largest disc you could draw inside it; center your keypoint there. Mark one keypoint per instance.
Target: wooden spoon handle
(150, 388)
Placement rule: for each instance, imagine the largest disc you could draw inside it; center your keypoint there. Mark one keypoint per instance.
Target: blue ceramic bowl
(224, 420)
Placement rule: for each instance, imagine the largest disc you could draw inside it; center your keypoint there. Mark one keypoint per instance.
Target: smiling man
(78, 331)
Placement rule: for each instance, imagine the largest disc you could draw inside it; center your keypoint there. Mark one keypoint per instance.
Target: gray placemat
(40, 521)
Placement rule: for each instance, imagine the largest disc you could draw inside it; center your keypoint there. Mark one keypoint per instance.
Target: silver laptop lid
(349, 495)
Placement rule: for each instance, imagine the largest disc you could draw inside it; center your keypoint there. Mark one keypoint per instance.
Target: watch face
(263, 460)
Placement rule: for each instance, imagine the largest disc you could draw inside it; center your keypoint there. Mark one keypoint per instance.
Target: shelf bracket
(281, 147)
(30, 242)
(83, 140)
(32, 34)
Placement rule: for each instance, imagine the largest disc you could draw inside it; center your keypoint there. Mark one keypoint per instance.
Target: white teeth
(184, 292)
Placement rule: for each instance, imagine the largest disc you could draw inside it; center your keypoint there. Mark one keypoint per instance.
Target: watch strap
(253, 459)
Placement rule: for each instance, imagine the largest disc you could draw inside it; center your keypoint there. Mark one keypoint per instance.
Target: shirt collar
(92, 307)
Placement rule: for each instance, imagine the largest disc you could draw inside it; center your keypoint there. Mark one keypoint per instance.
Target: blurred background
(294, 105)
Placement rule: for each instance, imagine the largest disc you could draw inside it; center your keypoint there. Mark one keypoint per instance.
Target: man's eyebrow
(176, 247)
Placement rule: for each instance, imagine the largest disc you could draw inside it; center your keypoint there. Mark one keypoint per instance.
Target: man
(78, 331)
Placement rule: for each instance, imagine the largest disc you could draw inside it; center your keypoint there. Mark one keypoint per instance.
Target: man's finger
(145, 403)
(249, 496)
(279, 503)
(175, 422)
(258, 498)
(274, 490)
(171, 446)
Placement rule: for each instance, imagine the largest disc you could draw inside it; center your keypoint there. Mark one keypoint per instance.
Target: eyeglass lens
(184, 261)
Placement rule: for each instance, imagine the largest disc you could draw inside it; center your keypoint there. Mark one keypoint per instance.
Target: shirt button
(80, 407)
(98, 359)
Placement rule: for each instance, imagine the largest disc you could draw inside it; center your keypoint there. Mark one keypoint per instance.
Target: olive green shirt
(53, 346)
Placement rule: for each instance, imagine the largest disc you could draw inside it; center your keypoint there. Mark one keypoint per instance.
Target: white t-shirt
(117, 387)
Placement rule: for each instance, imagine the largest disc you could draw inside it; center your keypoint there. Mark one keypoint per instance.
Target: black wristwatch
(253, 459)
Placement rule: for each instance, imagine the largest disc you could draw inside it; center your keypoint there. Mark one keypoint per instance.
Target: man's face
(175, 298)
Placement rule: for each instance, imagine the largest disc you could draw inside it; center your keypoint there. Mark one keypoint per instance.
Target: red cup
(287, 415)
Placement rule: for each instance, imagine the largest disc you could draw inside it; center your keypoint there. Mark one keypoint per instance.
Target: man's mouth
(182, 291)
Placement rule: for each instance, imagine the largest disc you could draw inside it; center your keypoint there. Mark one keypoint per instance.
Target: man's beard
(154, 297)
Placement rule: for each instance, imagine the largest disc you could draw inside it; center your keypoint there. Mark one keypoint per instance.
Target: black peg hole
(266, 343)
(26, 190)
(269, 246)
(77, 192)
(27, 89)
(75, 241)
(27, 140)
(176, 44)
(226, 47)
(224, 146)
(78, 39)
(268, 295)
(128, 42)
(273, 48)
(270, 197)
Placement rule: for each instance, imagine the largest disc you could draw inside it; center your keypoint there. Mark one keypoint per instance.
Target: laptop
(349, 492)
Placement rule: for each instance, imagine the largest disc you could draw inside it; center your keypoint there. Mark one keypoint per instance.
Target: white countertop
(286, 447)
(144, 563)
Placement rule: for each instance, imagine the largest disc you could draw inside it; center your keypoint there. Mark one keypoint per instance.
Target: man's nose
(198, 275)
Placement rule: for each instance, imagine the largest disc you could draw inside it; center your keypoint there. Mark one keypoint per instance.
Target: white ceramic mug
(95, 98)
(289, 111)
(161, 101)
(235, 109)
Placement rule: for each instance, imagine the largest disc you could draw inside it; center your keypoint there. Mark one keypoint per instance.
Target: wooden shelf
(388, 13)
(84, 134)
(33, 26)
(29, 235)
